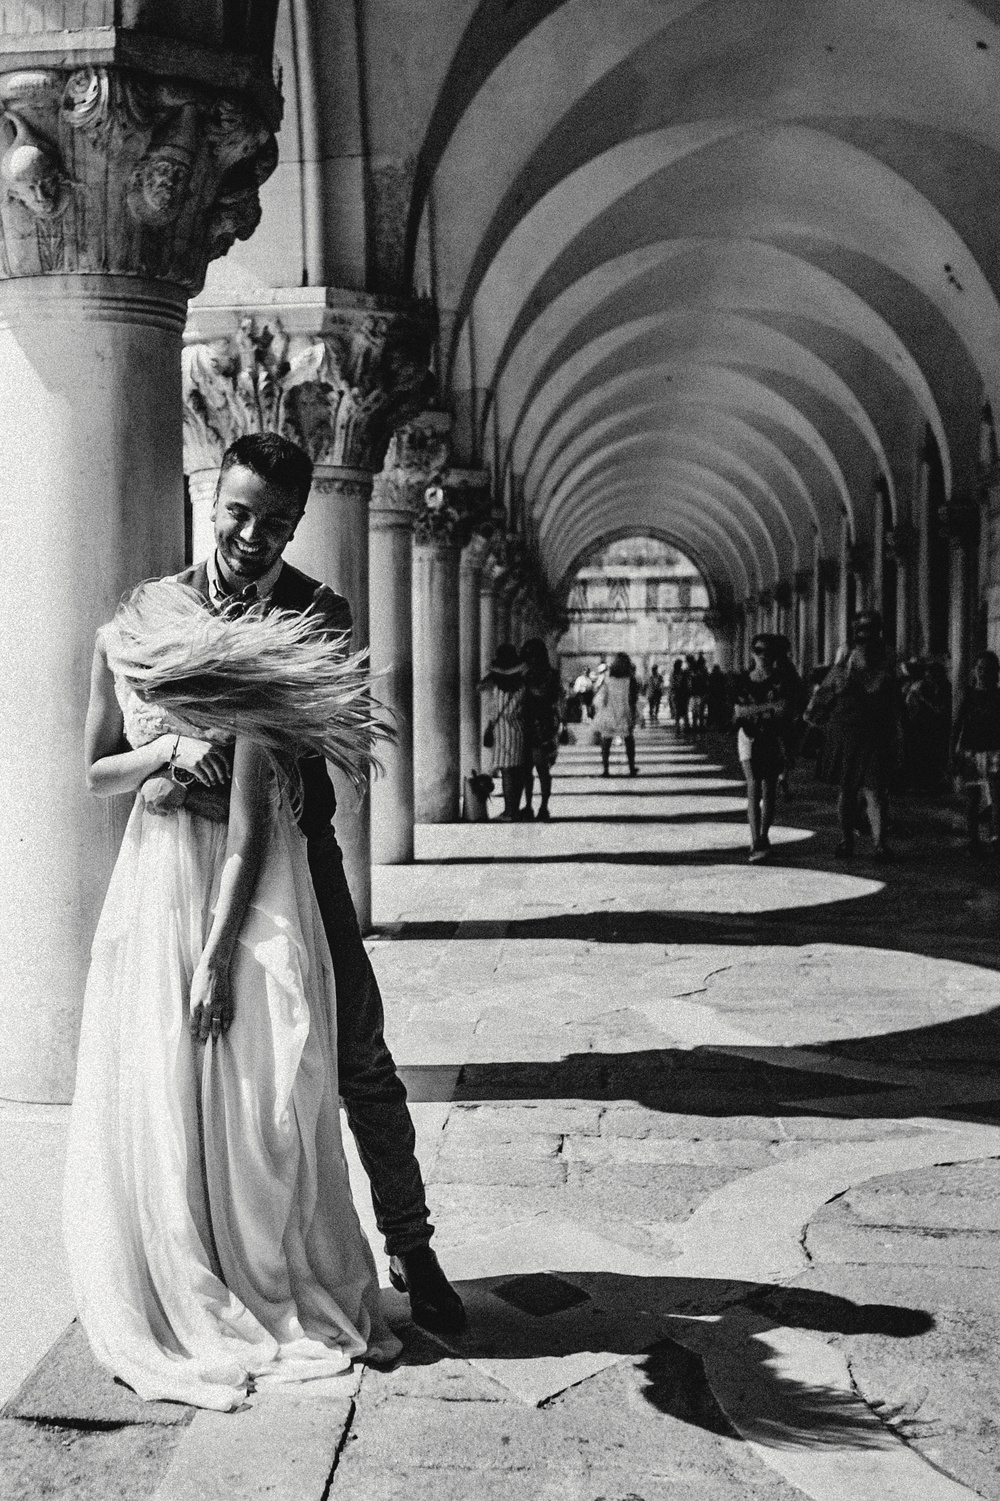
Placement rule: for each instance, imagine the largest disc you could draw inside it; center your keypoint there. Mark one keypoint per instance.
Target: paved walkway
(713, 1148)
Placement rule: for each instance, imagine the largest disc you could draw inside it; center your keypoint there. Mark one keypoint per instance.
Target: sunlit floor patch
(602, 887)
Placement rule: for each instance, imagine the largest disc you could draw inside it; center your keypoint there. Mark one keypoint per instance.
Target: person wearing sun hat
(504, 735)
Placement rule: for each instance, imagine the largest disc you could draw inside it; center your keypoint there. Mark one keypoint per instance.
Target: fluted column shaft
(436, 679)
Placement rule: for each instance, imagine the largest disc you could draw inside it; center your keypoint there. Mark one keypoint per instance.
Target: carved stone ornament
(804, 583)
(828, 574)
(339, 393)
(108, 170)
(416, 459)
(453, 509)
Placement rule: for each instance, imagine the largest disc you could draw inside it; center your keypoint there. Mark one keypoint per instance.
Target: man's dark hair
(277, 460)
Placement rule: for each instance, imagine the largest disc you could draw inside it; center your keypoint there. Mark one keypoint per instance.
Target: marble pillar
(922, 561)
(331, 543)
(805, 641)
(417, 455)
(87, 517)
(390, 574)
(962, 522)
(90, 413)
(470, 655)
(436, 680)
(488, 638)
(336, 372)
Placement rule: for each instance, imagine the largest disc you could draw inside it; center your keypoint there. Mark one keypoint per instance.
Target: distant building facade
(638, 596)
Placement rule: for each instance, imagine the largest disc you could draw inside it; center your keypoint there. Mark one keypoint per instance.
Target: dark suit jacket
(298, 592)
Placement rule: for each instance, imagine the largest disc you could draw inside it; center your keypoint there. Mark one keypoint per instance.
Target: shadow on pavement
(704, 1341)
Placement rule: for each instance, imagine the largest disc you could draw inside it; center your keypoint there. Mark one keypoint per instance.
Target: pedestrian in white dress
(615, 711)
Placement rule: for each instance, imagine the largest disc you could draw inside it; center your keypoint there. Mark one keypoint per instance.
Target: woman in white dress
(615, 711)
(212, 1238)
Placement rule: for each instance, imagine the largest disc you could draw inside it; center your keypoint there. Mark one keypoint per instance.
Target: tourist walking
(680, 695)
(976, 748)
(698, 686)
(760, 714)
(614, 711)
(654, 693)
(542, 695)
(717, 697)
(863, 734)
(503, 688)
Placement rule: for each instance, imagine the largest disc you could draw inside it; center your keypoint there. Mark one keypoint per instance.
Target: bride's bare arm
(212, 1006)
(110, 769)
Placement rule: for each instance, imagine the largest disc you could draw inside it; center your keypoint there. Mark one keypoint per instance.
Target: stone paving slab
(69, 1387)
(39, 1461)
(282, 1445)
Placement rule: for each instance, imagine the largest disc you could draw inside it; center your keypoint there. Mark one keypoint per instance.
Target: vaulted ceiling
(709, 269)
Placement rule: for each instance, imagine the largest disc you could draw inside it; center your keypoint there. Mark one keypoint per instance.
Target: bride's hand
(211, 1005)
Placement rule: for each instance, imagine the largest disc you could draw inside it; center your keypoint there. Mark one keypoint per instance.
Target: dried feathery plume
(278, 678)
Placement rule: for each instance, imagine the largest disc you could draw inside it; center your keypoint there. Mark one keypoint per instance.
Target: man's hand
(206, 762)
(161, 795)
(211, 1004)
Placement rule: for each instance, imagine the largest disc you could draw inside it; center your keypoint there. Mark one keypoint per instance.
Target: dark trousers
(373, 1093)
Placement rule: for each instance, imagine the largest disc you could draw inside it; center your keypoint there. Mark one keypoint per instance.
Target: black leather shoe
(434, 1303)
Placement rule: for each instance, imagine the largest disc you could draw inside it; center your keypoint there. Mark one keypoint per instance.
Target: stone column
(336, 372)
(436, 679)
(488, 637)
(805, 620)
(900, 545)
(117, 186)
(416, 456)
(828, 601)
(922, 560)
(470, 654)
(506, 623)
(962, 525)
(331, 543)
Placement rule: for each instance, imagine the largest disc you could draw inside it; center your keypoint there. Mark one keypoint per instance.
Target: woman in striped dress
(503, 717)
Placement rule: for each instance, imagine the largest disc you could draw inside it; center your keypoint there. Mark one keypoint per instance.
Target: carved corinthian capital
(112, 170)
(336, 377)
(417, 456)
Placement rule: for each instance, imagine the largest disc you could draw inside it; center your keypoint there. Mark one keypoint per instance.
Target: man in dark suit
(262, 492)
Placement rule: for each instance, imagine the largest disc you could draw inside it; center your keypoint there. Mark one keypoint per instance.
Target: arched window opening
(641, 596)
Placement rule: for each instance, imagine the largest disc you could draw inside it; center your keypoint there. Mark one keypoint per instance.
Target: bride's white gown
(209, 1222)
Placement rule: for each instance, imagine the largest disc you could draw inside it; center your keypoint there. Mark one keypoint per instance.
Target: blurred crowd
(864, 723)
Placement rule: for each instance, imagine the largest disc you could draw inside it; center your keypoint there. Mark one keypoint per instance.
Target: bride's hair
(278, 678)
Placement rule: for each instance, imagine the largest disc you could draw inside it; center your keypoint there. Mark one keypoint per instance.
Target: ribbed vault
(712, 269)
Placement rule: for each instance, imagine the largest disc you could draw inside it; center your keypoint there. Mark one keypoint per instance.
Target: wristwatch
(179, 774)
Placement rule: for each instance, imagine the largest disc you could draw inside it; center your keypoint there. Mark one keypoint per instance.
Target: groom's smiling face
(254, 523)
